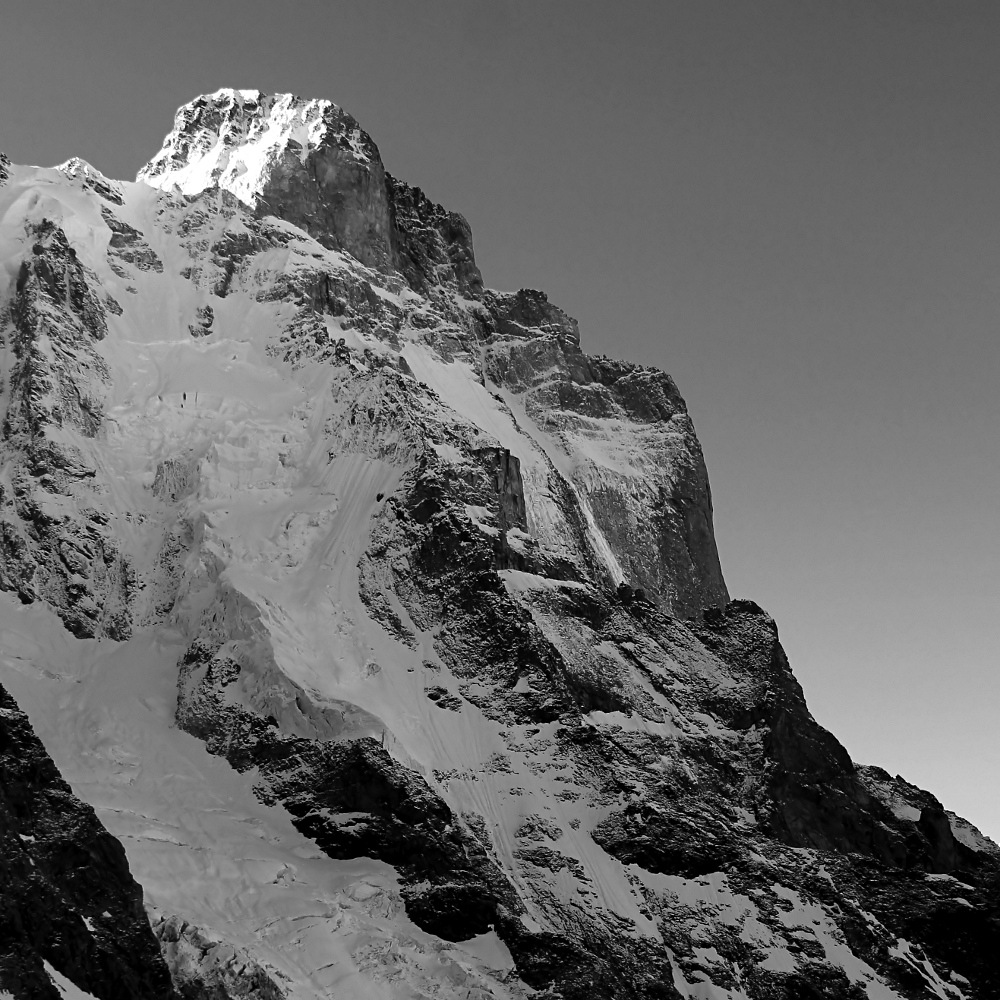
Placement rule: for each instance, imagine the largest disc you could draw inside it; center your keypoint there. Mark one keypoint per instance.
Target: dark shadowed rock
(66, 894)
(431, 246)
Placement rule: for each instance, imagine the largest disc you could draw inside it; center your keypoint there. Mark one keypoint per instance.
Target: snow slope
(200, 842)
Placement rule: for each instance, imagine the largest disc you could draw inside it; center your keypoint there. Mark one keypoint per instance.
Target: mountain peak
(238, 139)
(310, 163)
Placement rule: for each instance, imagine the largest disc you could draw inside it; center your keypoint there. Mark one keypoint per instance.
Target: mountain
(386, 632)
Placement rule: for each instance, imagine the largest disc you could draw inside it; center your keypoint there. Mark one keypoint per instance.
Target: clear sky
(791, 207)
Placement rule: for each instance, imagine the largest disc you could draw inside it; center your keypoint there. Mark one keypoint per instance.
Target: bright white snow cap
(233, 138)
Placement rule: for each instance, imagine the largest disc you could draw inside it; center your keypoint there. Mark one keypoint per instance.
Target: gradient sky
(790, 207)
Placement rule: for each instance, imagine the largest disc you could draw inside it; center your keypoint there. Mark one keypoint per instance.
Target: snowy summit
(237, 139)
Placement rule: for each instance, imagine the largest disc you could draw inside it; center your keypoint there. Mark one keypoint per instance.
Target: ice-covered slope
(369, 613)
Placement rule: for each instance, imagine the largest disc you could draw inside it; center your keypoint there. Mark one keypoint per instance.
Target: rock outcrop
(442, 591)
(53, 535)
(206, 968)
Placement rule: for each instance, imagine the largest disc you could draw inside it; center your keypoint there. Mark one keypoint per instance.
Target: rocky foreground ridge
(385, 629)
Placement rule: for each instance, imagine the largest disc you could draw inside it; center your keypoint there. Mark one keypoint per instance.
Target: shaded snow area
(385, 628)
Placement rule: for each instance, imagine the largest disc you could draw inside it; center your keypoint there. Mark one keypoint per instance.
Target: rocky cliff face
(396, 624)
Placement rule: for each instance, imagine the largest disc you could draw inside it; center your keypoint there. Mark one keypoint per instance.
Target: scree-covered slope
(385, 629)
